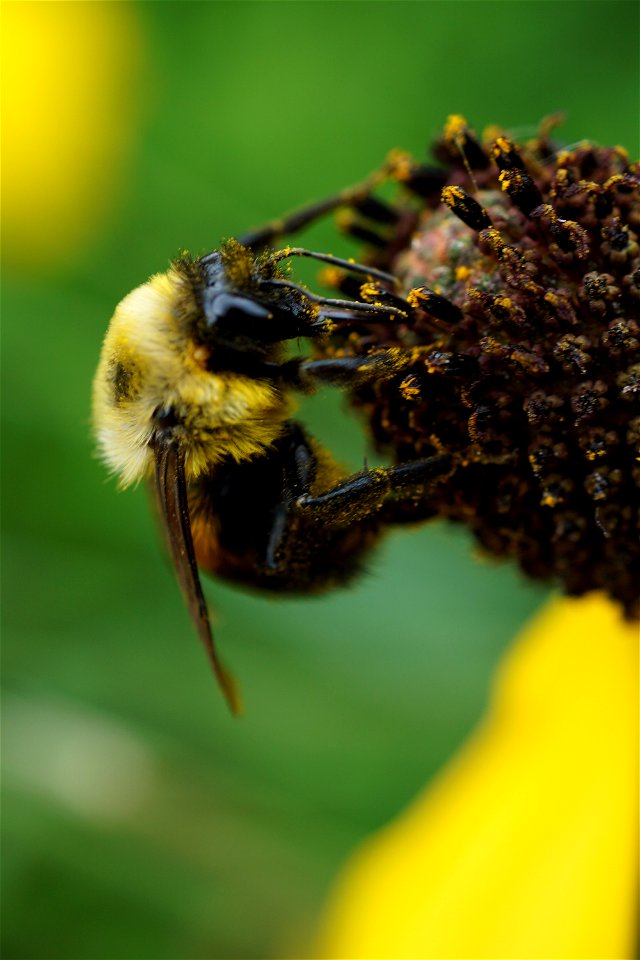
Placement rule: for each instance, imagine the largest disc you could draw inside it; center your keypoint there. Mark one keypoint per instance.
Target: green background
(140, 819)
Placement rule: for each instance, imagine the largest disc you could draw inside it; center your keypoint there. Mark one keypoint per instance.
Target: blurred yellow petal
(69, 75)
(526, 844)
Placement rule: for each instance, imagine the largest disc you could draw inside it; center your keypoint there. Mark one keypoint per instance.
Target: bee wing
(171, 490)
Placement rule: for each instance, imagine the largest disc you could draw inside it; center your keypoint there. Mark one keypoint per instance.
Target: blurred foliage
(140, 820)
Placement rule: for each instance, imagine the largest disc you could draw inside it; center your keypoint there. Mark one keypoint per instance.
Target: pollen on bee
(409, 388)
(201, 355)
(369, 291)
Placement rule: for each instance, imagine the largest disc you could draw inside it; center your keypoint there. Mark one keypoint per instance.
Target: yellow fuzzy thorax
(150, 362)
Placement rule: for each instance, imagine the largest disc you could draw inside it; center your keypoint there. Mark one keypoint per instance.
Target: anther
(505, 155)
(460, 136)
(439, 307)
(425, 181)
(569, 236)
(616, 236)
(375, 209)
(453, 364)
(375, 293)
(466, 208)
(359, 231)
(521, 189)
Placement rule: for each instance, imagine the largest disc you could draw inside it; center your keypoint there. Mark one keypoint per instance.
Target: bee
(195, 393)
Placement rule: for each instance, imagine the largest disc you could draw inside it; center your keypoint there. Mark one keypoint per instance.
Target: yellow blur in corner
(526, 844)
(69, 92)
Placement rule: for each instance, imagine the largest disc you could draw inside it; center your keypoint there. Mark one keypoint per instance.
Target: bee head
(178, 366)
(246, 303)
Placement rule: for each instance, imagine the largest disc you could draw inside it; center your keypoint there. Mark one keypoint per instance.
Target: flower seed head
(525, 362)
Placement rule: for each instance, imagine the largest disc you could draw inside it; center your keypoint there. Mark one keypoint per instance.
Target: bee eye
(240, 323)
(230, 308)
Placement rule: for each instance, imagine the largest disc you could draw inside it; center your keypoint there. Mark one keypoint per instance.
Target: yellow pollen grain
(449, 194)
(502, 144)
(368, 291)
(408, 388)
(491, 133)
(616, 178)
(400, 164)
(455, 126)
(200, 354)
(463, 273)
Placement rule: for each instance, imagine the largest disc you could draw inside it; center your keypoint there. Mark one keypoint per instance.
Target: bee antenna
(335, 261)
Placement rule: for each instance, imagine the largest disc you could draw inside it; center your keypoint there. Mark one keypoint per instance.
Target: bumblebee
(195, 392)
(490, 335)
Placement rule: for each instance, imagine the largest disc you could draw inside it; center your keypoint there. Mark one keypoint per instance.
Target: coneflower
(522, 359)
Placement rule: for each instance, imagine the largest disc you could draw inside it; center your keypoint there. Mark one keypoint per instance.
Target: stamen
(335, 261)
(375, 209)
(505, 155)
(431, 302)
(466, 208)
(522, 190)
(359, 231)
(459, 134)
(425, 181)
(374, 293)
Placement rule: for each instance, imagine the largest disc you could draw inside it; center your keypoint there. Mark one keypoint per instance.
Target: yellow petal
(526, 844)
(69, 86)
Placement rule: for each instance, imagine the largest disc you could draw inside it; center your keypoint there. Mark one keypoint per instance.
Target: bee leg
(362, 501)
(369, 493)
(356, 370)
(299, 471)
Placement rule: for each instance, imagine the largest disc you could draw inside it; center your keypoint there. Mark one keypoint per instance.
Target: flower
(524, 366)
(68, 119)
(525, 845)
(520, 349)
